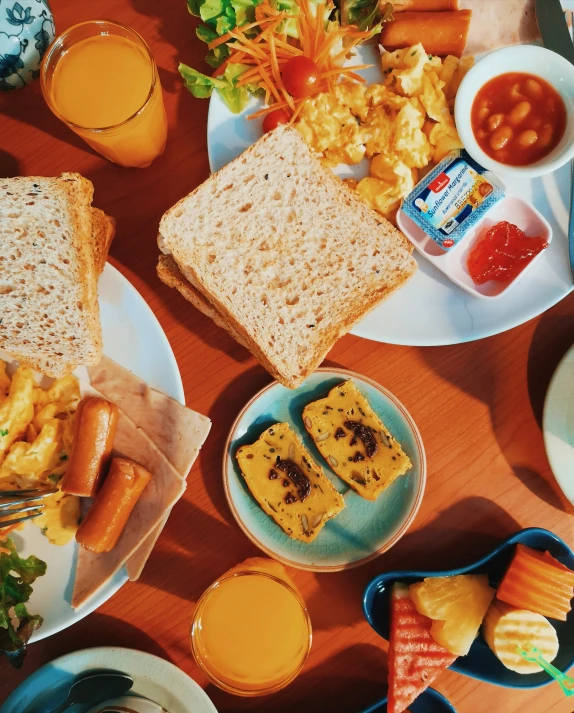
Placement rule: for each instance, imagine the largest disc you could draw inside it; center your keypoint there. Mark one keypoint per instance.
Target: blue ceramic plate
(430, 701)
(363, 529)
(480, 662)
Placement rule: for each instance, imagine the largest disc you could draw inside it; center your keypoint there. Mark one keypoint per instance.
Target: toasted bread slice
(53, 246)
(288, 484)
(354, 441)
(284, 253)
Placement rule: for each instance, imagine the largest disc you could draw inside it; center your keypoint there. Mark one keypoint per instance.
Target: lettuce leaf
(366, 14)
(17, 575)
(202, 86)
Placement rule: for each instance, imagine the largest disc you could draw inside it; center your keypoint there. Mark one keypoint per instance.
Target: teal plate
(364, 529)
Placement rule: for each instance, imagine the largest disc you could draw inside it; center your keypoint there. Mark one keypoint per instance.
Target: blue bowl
(480, 662)
(430, 701)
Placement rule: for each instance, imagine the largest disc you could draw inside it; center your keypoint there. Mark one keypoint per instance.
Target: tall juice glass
(251, 631)
(100, 78)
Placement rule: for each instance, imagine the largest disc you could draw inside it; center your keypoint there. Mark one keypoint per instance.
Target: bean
(501, 137)
(533, 88)
(494, 121)
(481, 133)
(515, 92)
(545, 136)
(519, 112)
(483, 113)
(527, 138)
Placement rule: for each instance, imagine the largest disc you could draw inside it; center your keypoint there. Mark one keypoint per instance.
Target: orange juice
(251, 632)
(100, 78)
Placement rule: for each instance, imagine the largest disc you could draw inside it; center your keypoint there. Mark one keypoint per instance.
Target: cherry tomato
(274, 119)
(300, 76)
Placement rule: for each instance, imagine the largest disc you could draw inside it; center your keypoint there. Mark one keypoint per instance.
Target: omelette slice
(288, 485)
(354, 441)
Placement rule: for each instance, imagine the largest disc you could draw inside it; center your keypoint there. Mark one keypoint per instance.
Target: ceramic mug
(26, 31)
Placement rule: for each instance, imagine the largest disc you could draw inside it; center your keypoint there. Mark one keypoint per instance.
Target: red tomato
(300, 76)
(274, 119)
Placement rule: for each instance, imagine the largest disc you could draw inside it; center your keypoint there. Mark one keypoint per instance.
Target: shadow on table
(552, 338)
(458, 536)
(347, 682)
(9, 166)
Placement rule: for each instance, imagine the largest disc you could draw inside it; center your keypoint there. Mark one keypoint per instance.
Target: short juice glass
(100, 79)
(251, 632)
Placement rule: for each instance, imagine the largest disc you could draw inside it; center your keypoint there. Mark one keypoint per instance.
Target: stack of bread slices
(280, 253)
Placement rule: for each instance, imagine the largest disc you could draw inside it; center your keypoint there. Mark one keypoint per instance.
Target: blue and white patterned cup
(26, 31)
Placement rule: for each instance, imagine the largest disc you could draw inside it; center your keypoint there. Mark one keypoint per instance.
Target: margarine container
(453, 207)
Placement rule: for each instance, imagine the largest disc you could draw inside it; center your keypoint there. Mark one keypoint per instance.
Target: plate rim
(89, 653)
(99, 598)
(373, 555)
(548, 446)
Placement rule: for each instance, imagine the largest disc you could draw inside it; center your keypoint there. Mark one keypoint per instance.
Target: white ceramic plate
(364, 529)
(558, 424)
(134, 338)
(430, 310)
(154, 678)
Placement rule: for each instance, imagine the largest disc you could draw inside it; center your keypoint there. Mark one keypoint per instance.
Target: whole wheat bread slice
(279, 251)
(53, 246)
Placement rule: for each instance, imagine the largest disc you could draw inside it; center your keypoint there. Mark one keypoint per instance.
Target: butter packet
(450, 200)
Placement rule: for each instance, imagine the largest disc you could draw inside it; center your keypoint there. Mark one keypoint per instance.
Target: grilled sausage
(107, 517)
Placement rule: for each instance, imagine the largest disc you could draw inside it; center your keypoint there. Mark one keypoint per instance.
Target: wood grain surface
(478, 407)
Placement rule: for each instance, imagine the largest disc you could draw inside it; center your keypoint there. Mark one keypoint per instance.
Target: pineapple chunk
(456, 605)
(506, 628)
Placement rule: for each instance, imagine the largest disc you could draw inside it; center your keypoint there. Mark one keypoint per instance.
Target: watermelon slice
(415, 659)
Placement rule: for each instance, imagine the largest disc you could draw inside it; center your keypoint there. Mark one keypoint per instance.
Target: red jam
(502, 253)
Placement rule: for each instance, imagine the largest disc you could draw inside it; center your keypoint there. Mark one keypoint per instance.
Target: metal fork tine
(18, 511)
(11, 501)
(16, 520)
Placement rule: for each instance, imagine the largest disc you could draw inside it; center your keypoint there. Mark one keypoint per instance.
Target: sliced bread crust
(53, 246)
(284, 253)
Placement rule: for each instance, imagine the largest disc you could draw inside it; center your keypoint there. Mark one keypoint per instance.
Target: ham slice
(165, 488)
(176, 430)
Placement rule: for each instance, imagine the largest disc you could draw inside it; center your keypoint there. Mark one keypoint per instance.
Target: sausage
(106, 519)
(442, 33)
(94, 431)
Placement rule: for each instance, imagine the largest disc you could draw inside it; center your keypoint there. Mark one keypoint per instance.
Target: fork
(17, 502)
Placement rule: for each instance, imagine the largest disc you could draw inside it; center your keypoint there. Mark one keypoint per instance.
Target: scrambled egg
(36, 433)
(403, 125)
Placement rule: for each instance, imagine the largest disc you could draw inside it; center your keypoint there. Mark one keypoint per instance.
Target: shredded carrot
(266, 53)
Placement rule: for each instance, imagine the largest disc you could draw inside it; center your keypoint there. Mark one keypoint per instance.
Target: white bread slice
(284, 253)
(53, 246)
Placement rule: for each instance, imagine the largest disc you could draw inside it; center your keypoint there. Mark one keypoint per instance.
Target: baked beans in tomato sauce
(518, 118)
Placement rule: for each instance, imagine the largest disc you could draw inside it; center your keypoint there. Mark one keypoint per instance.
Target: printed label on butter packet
(452, 198)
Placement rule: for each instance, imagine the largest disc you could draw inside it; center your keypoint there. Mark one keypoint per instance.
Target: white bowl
(530, 59)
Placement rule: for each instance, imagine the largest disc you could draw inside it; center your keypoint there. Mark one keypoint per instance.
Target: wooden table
(478, 407)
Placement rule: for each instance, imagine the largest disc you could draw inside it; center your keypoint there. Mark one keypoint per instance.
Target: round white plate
(430, 310)
(558, 424)
(154, 678)
(134, 338)
(364, 529)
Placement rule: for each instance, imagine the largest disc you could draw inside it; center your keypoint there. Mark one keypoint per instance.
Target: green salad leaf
(17, 575)
(366, 14)
(202, 86)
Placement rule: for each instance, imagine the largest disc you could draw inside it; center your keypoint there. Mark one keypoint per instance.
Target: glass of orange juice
(251, 631)
(100, 78)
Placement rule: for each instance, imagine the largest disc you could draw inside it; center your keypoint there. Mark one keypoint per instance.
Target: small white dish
(530, 59)
(154, 678)
(453, 262)
(558, 424)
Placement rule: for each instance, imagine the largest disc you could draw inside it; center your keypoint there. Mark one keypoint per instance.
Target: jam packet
(452, 198)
